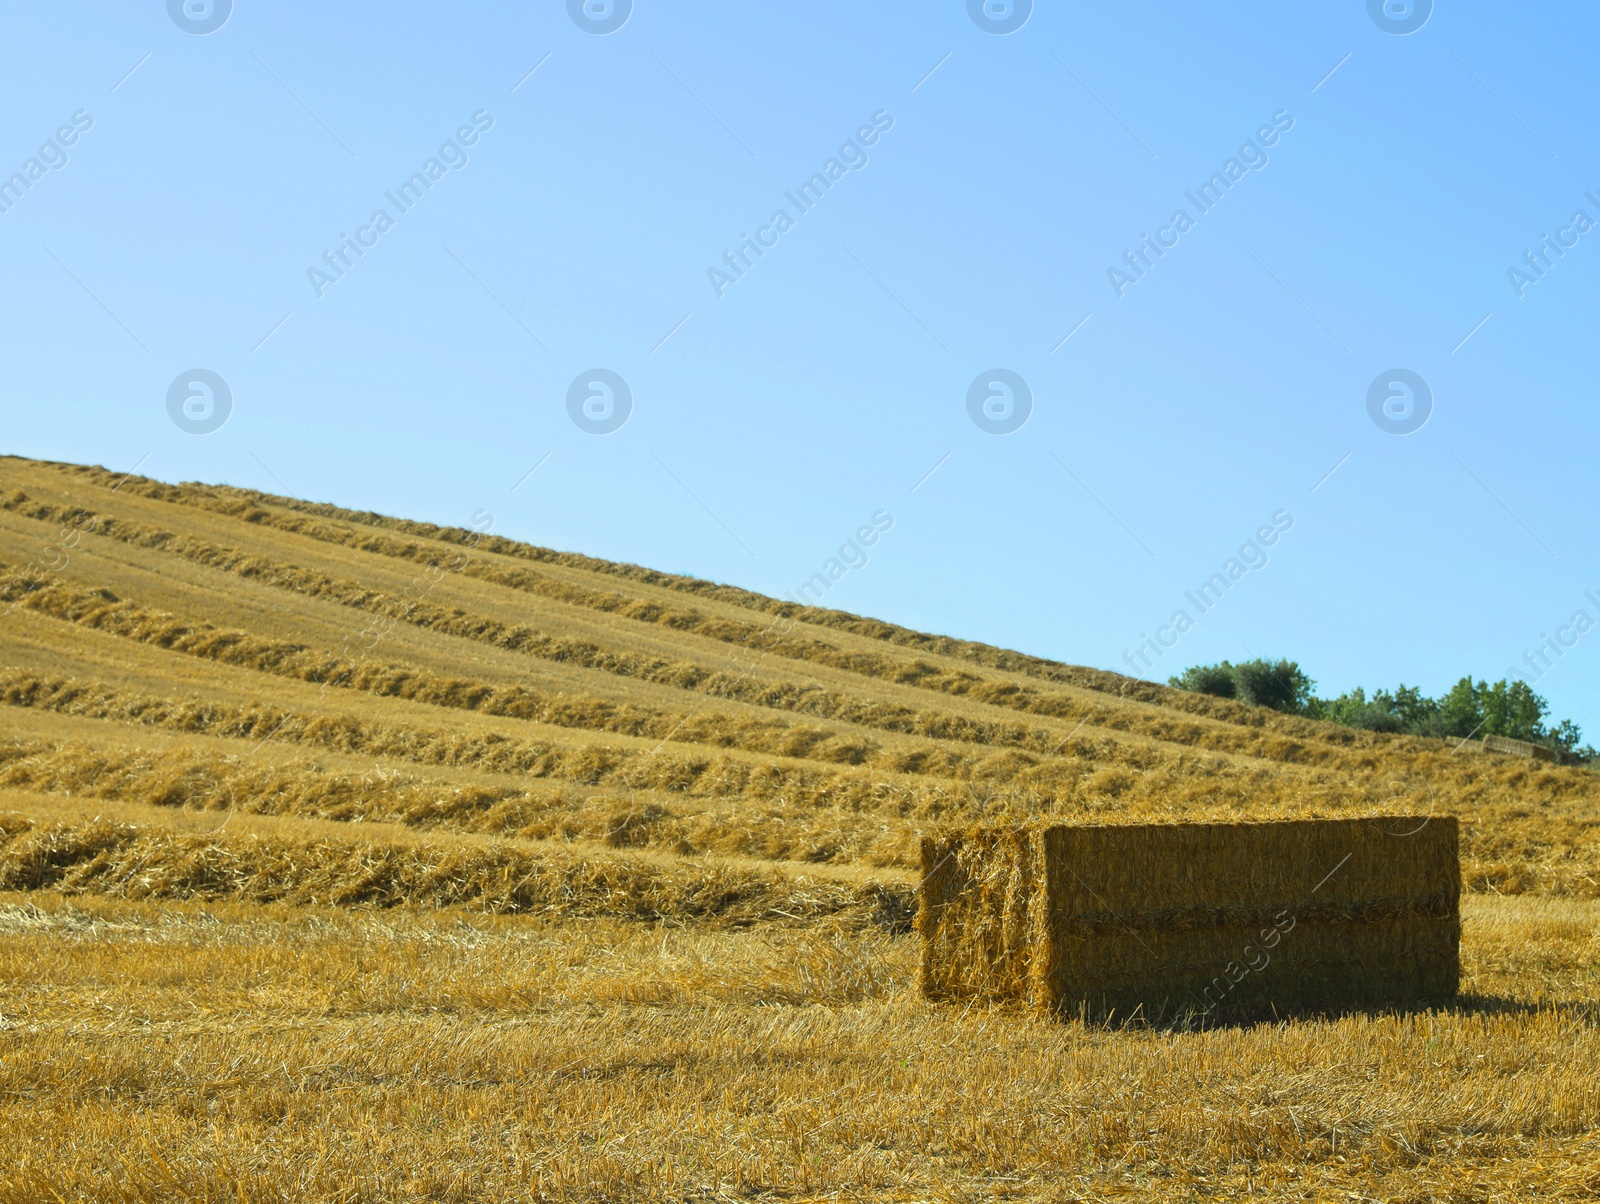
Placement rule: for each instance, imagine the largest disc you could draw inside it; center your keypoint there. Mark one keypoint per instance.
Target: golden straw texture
(1168, 921)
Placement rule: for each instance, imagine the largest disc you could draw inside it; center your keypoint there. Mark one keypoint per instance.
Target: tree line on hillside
(1468, 710)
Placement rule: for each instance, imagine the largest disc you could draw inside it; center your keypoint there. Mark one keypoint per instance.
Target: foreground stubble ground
(245, 1052)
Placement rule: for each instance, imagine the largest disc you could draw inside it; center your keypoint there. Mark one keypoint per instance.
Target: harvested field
(349, 857)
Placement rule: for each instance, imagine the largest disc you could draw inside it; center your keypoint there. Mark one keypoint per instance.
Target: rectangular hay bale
(1167, 920)
(1507, 747)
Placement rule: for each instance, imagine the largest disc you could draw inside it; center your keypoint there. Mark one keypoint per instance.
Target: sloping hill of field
(301, 659)
(220, 699)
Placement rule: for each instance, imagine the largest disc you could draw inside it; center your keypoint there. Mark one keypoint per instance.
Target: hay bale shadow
(1584, 1012)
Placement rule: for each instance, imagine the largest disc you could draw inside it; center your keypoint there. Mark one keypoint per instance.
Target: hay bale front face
(1197, 919)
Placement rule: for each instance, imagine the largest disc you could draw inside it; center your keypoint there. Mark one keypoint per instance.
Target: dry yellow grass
(367, 859)
(129, 861)
(226, 1051)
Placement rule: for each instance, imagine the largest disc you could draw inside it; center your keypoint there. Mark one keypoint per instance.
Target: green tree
(1216, 680)
(1470, 709)
(1566, 736)
(1512, 709)
(1413, 708)
(1280, 684)
(1277, 684)
(1461, 710)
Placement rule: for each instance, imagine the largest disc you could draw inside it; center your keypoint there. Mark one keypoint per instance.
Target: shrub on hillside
(1279, 685)
(1216, 680)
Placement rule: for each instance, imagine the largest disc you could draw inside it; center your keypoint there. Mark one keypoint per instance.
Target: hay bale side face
(1238, 919)
(1506, 746)
(979, 915)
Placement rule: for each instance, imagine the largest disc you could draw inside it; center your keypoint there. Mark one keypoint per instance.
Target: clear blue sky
(977, 232)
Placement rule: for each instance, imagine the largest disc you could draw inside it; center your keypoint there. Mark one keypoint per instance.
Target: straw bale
(977, 914)
(1506, 746)
(1171, 920)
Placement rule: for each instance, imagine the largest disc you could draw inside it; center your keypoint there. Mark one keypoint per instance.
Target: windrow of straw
(195, 779)
(104, 611)
(139, 862)
(690, 772)
(1170, 920)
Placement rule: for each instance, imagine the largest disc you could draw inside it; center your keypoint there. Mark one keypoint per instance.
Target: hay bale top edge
(991, 830)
